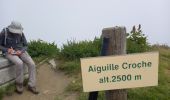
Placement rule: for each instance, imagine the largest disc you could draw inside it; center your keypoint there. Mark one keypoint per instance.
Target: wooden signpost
(118, 71)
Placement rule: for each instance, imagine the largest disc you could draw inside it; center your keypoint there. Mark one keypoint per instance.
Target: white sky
(62, 20)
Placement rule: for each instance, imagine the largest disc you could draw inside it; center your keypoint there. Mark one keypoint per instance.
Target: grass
(7, 90)
(160, 92)
(75, 85)
(70, 67)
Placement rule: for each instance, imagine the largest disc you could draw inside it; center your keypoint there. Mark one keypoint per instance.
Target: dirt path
(51, 84)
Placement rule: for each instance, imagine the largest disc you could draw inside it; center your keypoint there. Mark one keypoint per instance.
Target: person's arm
(25, 44)
(2, 39)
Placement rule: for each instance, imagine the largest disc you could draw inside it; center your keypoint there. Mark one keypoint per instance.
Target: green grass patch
(2, 93)
(75, 85)
(7, 90)
(70, 67)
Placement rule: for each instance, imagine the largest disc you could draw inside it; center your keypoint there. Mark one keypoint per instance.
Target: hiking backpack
(6, 34)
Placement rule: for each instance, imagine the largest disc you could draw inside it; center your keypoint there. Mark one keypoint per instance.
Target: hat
(15, 27)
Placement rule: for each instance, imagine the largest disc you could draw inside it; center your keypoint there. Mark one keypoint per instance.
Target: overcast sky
(62, 20)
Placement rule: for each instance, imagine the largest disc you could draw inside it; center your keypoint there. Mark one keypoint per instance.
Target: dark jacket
(16, 41)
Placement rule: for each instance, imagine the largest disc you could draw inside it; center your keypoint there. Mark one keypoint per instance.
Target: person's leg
(19, 71)
(18, 66)
(25, 57)
(32, 72)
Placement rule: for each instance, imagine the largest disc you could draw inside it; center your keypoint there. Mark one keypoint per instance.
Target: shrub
(75, 50)
(37, 48)
(136, 41)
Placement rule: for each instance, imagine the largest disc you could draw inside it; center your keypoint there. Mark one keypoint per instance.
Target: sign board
(119, 72)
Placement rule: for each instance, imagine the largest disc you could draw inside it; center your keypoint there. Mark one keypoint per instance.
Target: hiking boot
(33, 90)
(19, 88)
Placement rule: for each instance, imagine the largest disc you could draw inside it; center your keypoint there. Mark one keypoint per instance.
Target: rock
(53, 64)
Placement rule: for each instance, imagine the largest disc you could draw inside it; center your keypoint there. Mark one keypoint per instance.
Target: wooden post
(116, 46)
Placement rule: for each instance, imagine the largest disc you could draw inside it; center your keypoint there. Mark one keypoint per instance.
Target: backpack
(5, 36)
(5, 31)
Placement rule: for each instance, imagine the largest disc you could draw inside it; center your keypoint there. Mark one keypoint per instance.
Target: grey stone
(53, 63)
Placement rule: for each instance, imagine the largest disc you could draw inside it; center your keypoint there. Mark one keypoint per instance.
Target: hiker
(14, 47)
